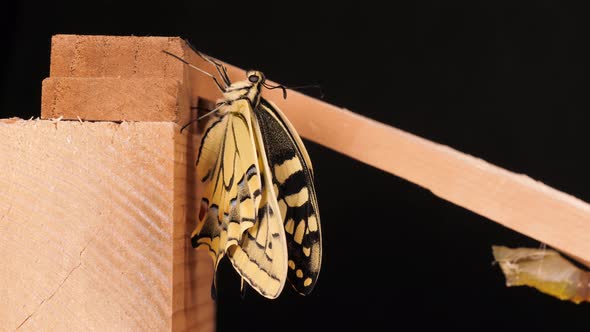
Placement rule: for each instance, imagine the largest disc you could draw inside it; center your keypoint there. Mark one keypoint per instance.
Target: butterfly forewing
(242, 217)
(228, 170)
(261, 258)
(293, 182)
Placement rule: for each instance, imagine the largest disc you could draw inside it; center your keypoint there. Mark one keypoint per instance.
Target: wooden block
(115, 56)
(107, 78)
(95, 220)
(115, 99)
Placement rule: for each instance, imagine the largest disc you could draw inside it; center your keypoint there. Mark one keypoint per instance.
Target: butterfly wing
(227, 167)
(241, 217)
(261, 258)
(293, 180)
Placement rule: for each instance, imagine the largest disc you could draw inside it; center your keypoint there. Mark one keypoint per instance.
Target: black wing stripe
(293, 184)
(284, 156)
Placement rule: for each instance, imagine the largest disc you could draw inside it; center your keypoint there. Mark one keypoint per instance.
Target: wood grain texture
(108, 78)
(95, 221)
(115, 56)
(115, 99)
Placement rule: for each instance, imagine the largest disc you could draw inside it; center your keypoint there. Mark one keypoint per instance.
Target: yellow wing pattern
(229, 172)
(293, 182)
(239, 212)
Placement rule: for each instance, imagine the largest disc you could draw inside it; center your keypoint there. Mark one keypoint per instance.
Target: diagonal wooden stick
(513, 200)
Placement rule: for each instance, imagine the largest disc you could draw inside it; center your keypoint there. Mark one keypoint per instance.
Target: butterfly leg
(209, 112)
(221, 87)
(221, 70)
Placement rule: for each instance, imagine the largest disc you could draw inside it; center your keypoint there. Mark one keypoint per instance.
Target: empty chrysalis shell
(545, 270)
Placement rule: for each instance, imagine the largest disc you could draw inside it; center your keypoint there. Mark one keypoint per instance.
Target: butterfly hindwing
(293, 181)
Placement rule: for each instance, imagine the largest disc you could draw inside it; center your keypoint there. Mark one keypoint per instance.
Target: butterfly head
(255, 80)
(258, 79)
(255, 77)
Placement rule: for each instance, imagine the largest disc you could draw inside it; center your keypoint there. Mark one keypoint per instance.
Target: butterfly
(259, 205)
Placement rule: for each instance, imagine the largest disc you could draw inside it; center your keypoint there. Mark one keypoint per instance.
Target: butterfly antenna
(196, 68)
(310, 86)
(280, 86)
(299, 87)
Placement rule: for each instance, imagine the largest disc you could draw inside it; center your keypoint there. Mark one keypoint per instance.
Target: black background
(506, 83)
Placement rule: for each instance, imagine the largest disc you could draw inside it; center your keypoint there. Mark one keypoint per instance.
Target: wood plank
(114, 56)
(94, 231)
(115, 99)
(109, 78)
